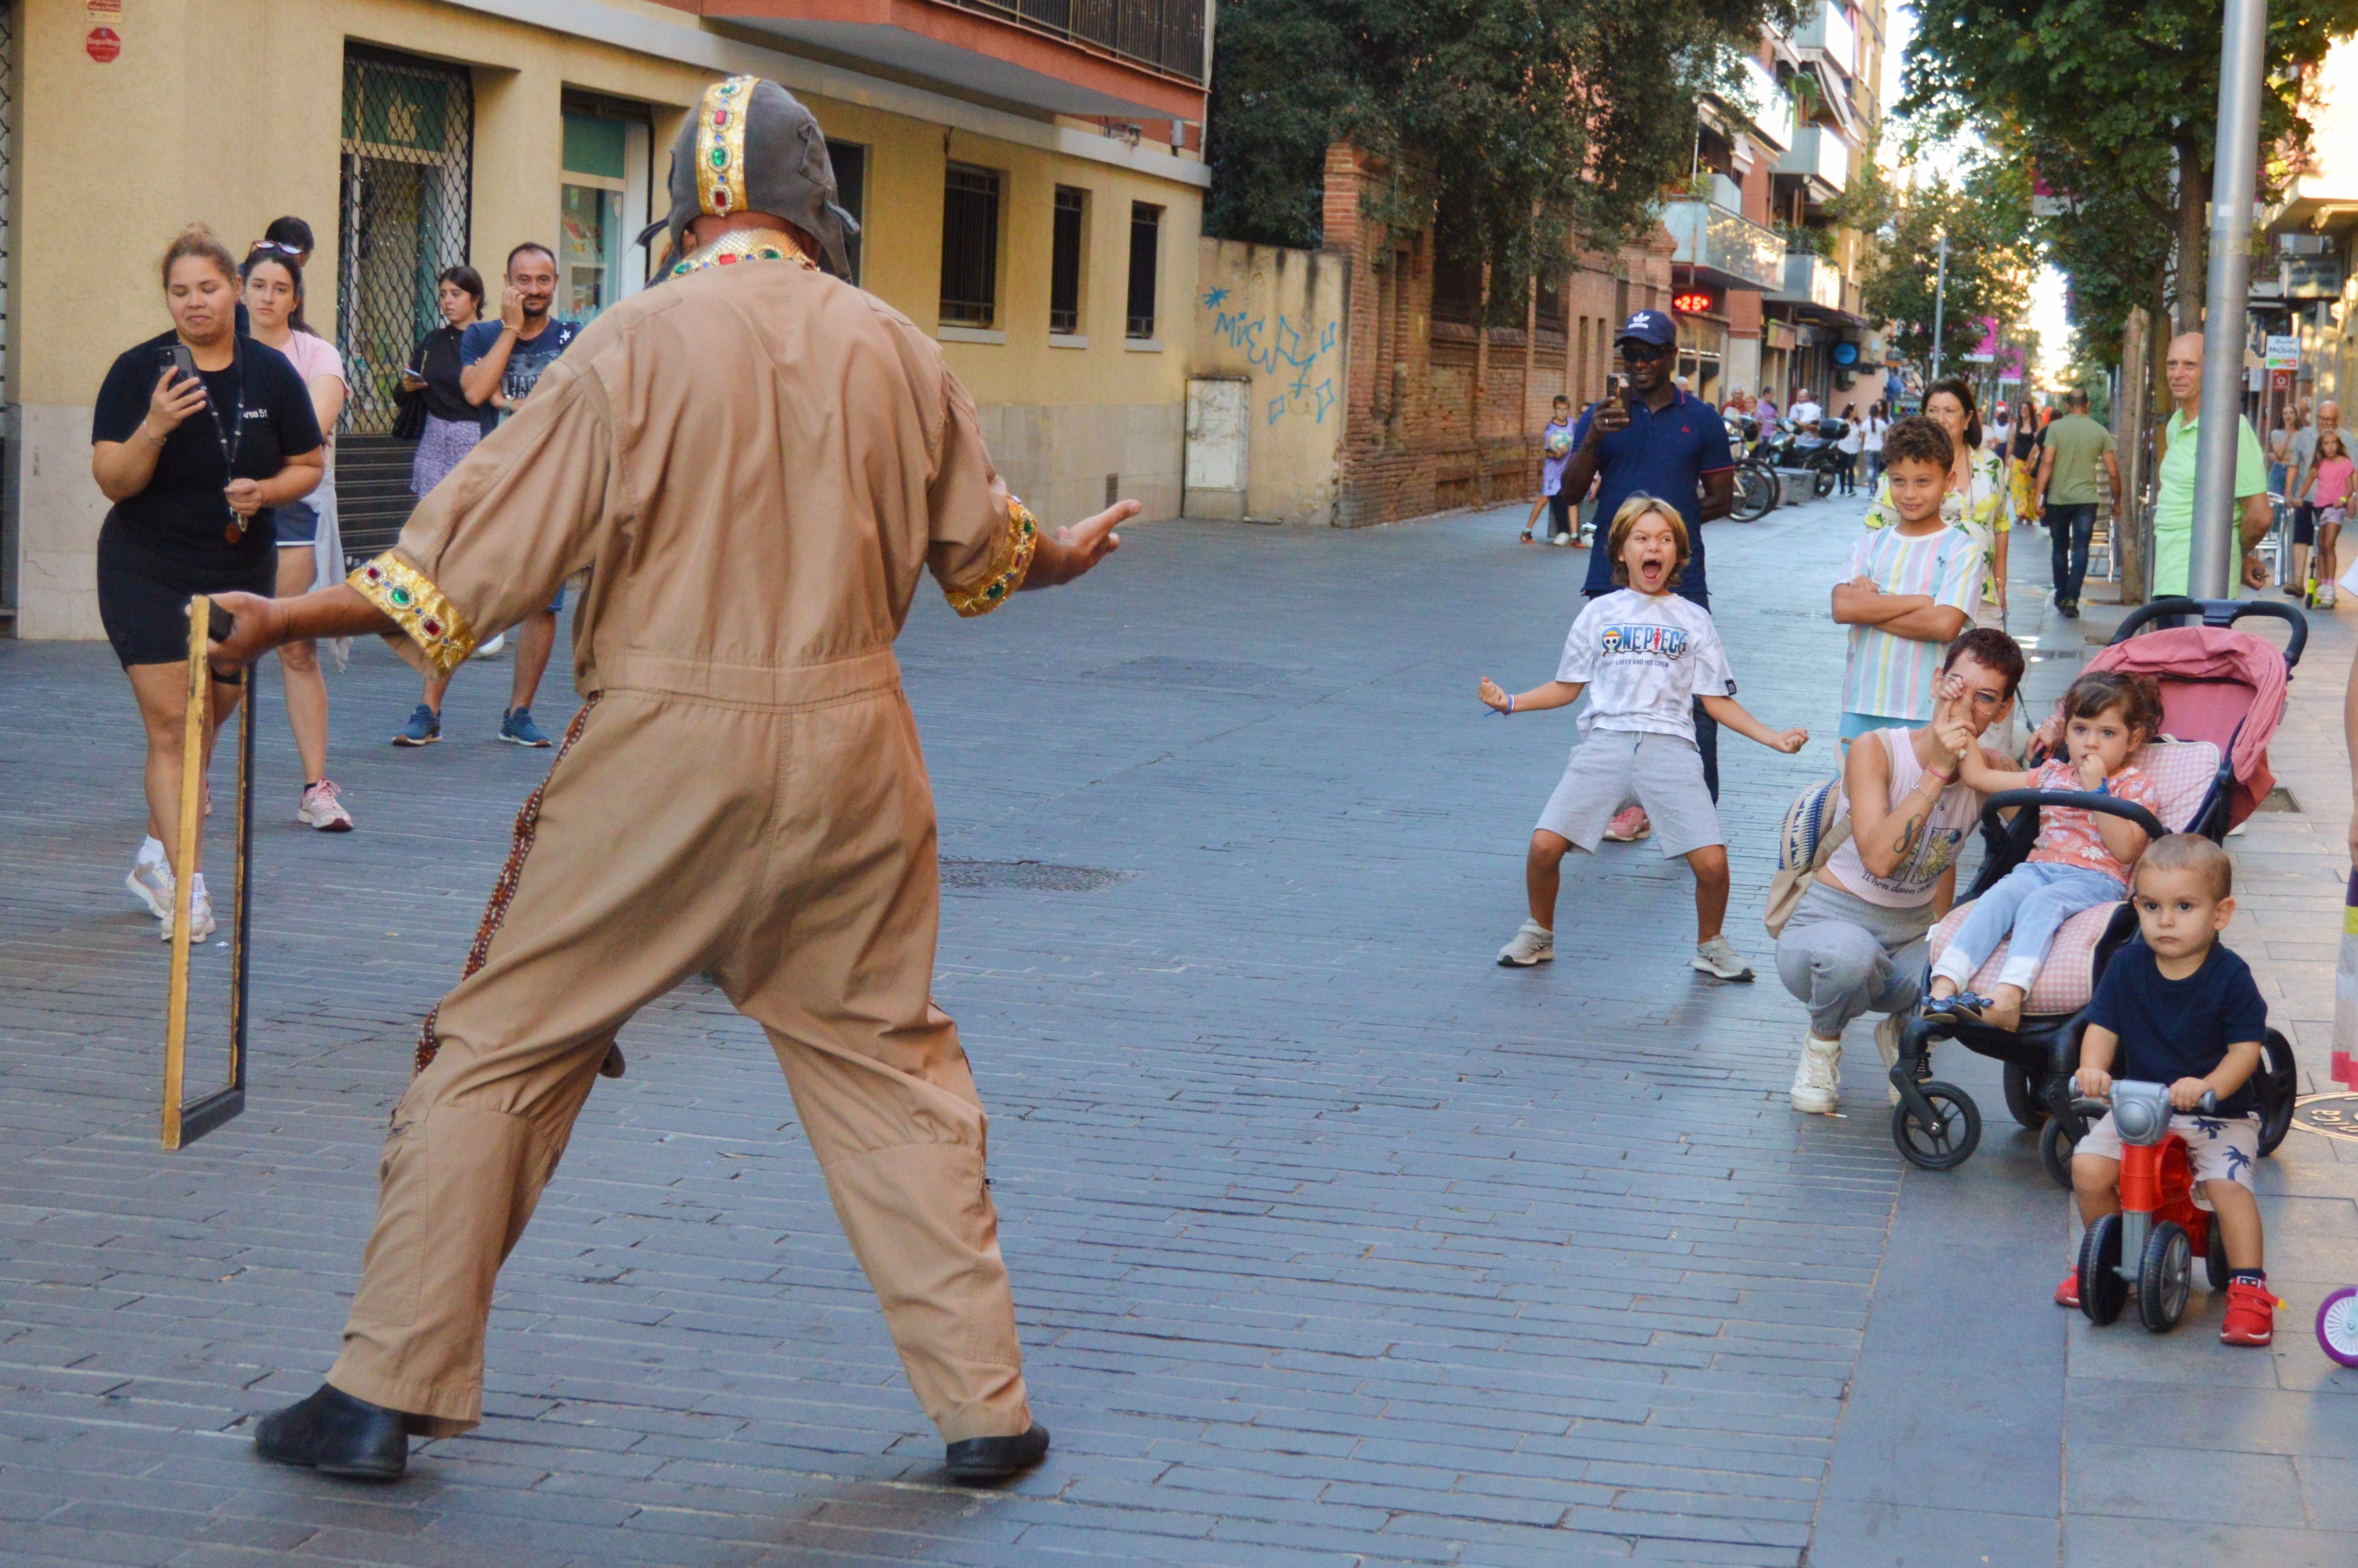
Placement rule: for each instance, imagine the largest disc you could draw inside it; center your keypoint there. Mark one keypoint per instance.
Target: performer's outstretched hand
(253, 630)
(260, 624)
(1066, 555)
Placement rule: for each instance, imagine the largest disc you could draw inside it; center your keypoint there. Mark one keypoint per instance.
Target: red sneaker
(1628, 826)
(2067, 1294)
(2251, 1316)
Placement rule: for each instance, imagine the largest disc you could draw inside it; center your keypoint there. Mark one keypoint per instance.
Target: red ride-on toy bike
(2152, 1242)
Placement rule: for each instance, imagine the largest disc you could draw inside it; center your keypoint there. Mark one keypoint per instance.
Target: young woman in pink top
(2083, 859)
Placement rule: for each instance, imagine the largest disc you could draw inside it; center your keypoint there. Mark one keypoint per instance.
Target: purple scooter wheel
(2336, 1325)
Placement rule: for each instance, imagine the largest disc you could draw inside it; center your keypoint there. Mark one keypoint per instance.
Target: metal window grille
(850, 160)
(1145, 253)
(408, 162)
(969, 246)
(9, 452)
(1167, 36)
(1064, 262)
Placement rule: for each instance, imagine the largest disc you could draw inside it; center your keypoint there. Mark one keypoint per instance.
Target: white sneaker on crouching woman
(1532, 944)
(1817, 1077)
(1719, 957)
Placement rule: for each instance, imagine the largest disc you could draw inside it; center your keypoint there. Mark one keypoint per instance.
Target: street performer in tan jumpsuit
(756, 460)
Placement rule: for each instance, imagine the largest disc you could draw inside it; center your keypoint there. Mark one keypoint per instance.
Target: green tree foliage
(2111, 98)
(1986, 217)
(1514, 120)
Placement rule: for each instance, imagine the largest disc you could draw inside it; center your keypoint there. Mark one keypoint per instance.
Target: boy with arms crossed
(1906, 590)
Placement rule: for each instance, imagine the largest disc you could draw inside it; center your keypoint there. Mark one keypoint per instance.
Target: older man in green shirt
(2173, 515)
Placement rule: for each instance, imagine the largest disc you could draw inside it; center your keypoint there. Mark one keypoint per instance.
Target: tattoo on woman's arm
(1907, 833)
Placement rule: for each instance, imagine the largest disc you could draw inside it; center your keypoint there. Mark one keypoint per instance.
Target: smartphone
(218, 622)
(185, 362)
(1621, 392)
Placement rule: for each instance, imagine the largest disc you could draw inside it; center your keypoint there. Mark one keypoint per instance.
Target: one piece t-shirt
(1555, 444)
(313, 357)
(182, 518)
(2068, 836)
(2179, 1029)
(1645, 660)
(1888, 674)
(526, 358)
(436, 363)
(1932, 852)
(2331, 487)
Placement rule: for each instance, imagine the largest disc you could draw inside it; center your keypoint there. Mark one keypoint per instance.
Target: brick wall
(1410, 444)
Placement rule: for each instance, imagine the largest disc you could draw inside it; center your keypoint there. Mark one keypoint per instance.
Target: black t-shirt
(183, 516)
(2179, 1029)
(437, 360)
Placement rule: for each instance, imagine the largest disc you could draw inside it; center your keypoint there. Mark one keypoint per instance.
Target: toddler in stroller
(2082, 861)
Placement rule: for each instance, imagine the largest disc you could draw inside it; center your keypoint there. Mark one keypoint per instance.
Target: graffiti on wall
(1284, 353)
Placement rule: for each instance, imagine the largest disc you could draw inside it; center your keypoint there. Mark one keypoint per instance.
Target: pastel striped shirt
(1890, 675)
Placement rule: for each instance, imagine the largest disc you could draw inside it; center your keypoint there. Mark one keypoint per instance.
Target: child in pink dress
(2330, 483)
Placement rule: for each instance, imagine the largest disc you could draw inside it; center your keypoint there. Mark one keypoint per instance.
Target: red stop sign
(103, 43)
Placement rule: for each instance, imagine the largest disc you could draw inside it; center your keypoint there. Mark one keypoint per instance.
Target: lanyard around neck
(228, 440)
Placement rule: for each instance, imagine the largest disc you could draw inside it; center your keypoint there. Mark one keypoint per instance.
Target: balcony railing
(1831, 34)
(1810, 280)
(1727, 247)
(1167, 36)
(1820, 153)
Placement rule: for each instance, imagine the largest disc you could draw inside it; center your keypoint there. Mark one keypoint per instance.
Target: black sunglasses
(1637, 349)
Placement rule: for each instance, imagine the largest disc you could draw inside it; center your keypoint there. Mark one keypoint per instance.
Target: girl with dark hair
(194, 468)
(452, 428)
(309, 549)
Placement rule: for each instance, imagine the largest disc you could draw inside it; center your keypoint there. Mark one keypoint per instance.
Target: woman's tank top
(1935, 850)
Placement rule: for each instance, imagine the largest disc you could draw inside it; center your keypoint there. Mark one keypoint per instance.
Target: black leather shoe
(336, 1435)
(978, 1461)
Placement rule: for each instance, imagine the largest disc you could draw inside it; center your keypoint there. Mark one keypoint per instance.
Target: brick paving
(1333, 1243)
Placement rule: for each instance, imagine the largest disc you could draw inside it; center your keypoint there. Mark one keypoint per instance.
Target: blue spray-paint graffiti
(1285, 354)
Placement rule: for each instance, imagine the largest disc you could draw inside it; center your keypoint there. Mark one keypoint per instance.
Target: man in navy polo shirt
(1666, 443)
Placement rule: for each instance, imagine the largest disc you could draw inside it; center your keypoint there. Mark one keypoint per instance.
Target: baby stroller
(2223, 693)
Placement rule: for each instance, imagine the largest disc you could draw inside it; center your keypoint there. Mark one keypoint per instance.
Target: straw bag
(1815, 826)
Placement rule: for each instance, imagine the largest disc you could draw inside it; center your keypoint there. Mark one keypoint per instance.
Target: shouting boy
(1906, 590)
(1644, 655)
(2175, 1007)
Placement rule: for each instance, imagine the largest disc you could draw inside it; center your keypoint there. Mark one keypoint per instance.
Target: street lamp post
(2241, 48)
(1940, 302)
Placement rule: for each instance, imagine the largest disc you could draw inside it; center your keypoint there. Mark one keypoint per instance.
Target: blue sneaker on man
(425, 728)
(516, 725)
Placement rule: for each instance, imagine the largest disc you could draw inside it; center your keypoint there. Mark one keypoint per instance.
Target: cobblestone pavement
(1333, 1243)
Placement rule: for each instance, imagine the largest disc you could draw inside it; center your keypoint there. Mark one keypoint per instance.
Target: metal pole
(1939, 305)
(2241, 48)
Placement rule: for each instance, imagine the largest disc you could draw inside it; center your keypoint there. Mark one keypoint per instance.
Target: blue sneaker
(516, 725)
(425, 728)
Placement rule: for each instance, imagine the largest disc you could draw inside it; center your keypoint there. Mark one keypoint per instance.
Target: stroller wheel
(2102, 1291)
(2165, 1275)
(2279, 1081)
(2336, 1325)
(1947, 1140)
(2056, 1141)
(2022, 1098)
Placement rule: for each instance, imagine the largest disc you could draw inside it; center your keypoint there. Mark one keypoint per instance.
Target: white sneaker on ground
(200, 913)
(1628, 826)
(1532, 944)
(1719, 957)
(1886, 1046)
(323, 808)
(1817, 1077)
(150, 882)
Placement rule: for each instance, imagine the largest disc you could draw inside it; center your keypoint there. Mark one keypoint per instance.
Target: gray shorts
(1612, 768)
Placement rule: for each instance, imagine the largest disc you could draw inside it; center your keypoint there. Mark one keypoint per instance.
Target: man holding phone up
(499, 365)
(1650, 437)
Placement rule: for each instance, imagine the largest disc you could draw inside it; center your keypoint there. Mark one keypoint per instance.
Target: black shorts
(2304, 524)
(143, 599)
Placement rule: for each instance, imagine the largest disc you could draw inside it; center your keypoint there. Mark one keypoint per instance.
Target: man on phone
(1651, 437)
(499, 365)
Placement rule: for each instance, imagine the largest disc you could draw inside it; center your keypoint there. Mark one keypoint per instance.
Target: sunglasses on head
(276, 247)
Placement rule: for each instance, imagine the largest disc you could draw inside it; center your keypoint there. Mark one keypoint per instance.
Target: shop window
(970, 247)
(850, 160)
(601, 206)
(1145, 259)
(1067, 250)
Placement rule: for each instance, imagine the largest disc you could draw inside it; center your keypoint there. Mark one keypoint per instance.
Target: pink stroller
(2223, 693)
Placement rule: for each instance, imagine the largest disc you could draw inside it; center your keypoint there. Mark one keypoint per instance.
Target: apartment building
(1766, 278)
(2306, 287)
(1027, 173)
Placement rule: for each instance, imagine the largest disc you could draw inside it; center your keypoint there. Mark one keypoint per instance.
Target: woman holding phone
(453, 426)
(309, 550)
(197, 437)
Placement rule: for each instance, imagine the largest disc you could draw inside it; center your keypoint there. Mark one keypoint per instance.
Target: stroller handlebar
(2083, 800)
(2221, 612)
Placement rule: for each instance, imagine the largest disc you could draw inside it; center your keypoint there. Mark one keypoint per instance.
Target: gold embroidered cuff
(1009, 564)
(418, 608)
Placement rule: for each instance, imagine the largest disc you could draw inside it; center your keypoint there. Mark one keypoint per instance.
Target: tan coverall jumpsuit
(757, 461)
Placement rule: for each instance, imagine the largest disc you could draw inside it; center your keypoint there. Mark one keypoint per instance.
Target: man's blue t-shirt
(527, 359)
(1665, 455)
(2179, 1029)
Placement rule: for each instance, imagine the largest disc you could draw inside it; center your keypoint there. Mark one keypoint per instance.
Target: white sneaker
(1719, 957)
(1817, 1077)
(322, 808)
(201, 913)
(1886, 1046)
(1532, 944)
(150, 882)
(490, 650)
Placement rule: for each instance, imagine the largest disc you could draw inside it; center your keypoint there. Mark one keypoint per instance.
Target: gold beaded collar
(743, 245)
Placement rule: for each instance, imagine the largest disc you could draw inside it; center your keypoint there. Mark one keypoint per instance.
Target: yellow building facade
(411, 133)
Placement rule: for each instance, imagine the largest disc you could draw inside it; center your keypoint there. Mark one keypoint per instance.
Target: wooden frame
(186, 1121)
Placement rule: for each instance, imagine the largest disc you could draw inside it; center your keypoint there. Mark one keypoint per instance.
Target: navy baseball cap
(1653, 327)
